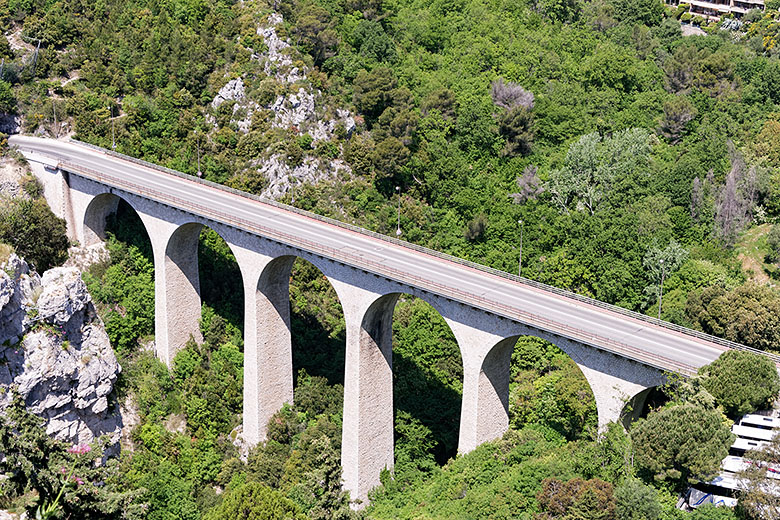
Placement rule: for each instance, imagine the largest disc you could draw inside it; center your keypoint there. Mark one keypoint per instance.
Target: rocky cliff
(56, 354)
(287, 100)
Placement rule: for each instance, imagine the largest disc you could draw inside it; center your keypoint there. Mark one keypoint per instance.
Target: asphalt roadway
(647, 340)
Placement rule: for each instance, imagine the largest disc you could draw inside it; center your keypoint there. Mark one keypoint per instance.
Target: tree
(510, 95)
(648, 12)
(678, 112)
(749, 314)
(636, 501)
(315, 30)
(738, 197)
(596, 169)
(529, 184)
(372, 42)
(257, 502)
(773, 242)
(517, 127)
(372, 91)
(516, 121)
(759, 497)
(681, 443)
(742, 382)
(581, 499)
(34, 232)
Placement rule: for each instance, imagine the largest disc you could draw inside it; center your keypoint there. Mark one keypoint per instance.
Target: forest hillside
(589, 142)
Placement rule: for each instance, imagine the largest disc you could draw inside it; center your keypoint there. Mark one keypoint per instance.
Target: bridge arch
(96, 213)
(541, 373)
(180, 287)
(273, 351)
(613, 380)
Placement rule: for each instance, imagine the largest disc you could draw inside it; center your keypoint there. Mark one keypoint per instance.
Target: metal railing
(418, 281)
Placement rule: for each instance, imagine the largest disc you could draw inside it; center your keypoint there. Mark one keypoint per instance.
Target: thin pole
(200, 174)
(520, 263)
(398, 228)
(56, 130)
(661, 295)
(113, 134)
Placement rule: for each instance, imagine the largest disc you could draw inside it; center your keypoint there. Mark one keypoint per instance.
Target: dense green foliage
(34, 231)
(617, 142)
(39, 470)
(742, 382)
(682, 443)
(255, 501)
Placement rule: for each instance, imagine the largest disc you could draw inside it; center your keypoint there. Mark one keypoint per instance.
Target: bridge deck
(628, 334)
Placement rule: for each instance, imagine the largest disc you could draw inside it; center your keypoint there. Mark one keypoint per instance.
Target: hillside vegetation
(594, 130)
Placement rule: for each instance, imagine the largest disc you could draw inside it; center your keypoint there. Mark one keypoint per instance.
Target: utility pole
(520, 263)
(56, 129)
(113, 135)
(661, 294)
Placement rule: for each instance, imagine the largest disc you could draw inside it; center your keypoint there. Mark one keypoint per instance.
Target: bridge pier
(367, 432)
(268, 370)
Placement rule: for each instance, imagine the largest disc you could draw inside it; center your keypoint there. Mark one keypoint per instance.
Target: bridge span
(621, 354)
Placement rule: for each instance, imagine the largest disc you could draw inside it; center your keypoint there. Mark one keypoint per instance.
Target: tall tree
(682, 443)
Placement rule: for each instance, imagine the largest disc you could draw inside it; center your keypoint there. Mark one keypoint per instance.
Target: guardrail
(380, 269)
(424, 284)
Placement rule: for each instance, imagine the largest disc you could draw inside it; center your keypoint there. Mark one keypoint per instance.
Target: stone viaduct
(485, 339)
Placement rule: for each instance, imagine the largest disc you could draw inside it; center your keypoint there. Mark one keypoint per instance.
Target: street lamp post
(520, 263)
(200, 174)
(661, 294)
(398, 227)
(113, 133)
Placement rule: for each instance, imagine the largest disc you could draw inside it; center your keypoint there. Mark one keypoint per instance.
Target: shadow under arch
(535, 381)
(107, 213)
(303, 314)
(427, 374)
(200, 267)
(639, 405)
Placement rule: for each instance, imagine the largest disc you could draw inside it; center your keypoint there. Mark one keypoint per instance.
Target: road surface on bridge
(643, 339)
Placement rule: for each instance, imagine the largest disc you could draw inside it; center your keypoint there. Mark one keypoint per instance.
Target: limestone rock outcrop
(299, 107)
(55, 353)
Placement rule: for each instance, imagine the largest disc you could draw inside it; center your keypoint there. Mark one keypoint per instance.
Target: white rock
(64, 294)
(67, 375)
(232, 91)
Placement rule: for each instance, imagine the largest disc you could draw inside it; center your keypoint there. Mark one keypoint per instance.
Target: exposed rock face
(300, 108)
(55, 353)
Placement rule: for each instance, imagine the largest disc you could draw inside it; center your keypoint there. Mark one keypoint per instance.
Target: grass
(751, 249)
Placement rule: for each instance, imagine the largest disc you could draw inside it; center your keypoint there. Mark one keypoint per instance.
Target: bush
(686, 17)
(681, 9)
(773, 242)
(34, 232)
(255, 501)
